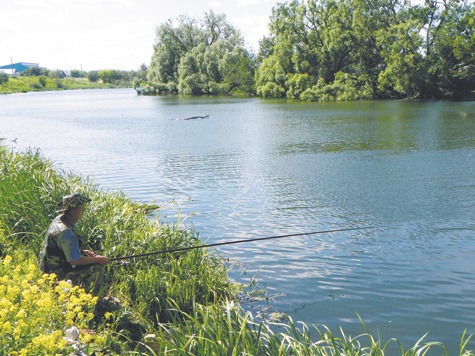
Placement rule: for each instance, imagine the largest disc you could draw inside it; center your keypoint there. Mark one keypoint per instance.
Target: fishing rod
(238, 242)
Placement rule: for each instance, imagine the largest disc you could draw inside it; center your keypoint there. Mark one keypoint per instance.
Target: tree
(171, 44)
(110, 76)
(76, 73)
(4, 77)
(238, 68)
(400, 51)
(34, 71)
(270, 78)
(452, 54)
(92, 76)
(58, 74)
(190, 56)
(142, 72)
(314, 40)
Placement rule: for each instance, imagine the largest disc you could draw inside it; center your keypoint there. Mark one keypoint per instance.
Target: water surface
(259, 168)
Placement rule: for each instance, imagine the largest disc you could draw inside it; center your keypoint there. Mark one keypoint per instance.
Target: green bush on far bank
(170, 304)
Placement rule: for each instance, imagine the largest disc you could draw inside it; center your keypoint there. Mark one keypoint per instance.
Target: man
(63, 253)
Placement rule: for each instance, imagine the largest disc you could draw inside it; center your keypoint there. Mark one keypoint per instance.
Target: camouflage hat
(71, 201)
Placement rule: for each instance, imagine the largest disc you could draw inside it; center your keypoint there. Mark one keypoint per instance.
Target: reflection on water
(259, 168)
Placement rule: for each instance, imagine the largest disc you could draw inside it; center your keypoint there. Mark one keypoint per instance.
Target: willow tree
(321, 49)
(194, 56)
(313, 41)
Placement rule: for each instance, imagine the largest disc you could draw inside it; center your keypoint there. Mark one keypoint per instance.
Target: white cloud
(248, 2)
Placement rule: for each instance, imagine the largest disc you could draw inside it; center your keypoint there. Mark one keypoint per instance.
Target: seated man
(62, 251)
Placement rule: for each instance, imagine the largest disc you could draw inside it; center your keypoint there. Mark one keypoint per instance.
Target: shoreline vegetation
(25, 84)
(174, 304)
(40, 79)
(325, 50)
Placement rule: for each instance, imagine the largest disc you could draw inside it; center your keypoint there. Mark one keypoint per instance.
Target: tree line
(108, 76)
(324, 50)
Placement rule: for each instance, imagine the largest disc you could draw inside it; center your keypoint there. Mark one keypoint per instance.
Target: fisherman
(63, 253)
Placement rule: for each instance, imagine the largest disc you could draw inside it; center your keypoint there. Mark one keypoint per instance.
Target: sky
(109, 34)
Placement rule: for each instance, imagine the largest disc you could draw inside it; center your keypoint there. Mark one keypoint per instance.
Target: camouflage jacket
(52, 258)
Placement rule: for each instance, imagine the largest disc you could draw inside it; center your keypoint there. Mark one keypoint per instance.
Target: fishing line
(238, 242)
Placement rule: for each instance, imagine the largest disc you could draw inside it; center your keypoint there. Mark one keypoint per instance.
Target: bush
(4, 78)
(58, 74)
(42, 80)
(92, 76)
(271, 90)
(76, 73)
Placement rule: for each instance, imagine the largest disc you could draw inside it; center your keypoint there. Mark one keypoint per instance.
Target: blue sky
(108, 34)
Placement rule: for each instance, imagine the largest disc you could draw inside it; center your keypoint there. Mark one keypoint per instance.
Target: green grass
(42, 83)
(171, 304)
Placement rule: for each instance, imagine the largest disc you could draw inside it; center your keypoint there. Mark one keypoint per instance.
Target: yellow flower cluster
(35, 309)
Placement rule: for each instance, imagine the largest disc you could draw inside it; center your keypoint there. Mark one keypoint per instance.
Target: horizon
(91, 35)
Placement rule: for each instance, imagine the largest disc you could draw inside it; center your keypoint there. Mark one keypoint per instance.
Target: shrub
(4, 78)
(93, 76)
(76, 73)
(42, 80)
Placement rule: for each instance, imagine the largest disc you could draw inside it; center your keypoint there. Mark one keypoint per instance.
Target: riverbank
(154, 305)
(21, 84)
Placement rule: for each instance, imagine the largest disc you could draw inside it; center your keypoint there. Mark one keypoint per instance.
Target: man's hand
(88, 253)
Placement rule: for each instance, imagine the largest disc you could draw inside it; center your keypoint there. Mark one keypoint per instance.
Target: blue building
(18, 67)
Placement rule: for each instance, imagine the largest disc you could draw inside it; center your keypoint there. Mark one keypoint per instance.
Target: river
(257, 168)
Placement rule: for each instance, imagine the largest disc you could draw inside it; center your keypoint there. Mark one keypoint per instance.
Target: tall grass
(114, 225)
(228, 330)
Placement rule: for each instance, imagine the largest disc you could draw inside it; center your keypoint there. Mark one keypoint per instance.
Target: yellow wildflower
(7, 260)
(108, 315)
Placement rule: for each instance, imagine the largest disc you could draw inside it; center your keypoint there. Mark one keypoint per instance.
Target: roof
(20, 66)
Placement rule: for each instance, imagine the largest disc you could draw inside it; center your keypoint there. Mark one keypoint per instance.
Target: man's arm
(90, 260)
(69, 244)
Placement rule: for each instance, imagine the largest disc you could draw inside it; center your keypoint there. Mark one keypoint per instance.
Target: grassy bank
(43, 83)
(173, 304)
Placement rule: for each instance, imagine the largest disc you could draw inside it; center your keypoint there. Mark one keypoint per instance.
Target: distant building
(17, 67)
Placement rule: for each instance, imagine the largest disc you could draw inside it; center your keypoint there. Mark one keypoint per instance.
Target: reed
(228, 330)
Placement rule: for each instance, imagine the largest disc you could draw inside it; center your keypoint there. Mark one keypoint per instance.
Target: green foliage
(110, 76)
(4, 78)
(270, 78)
(404, 51)
(452, 55)
(93, 76)
(35, 72)
(201, 57)
(228, 330)
(42, 80)
(76, 73)
(297, 84)
(58, 74)
(24, 84)
(346, 87)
